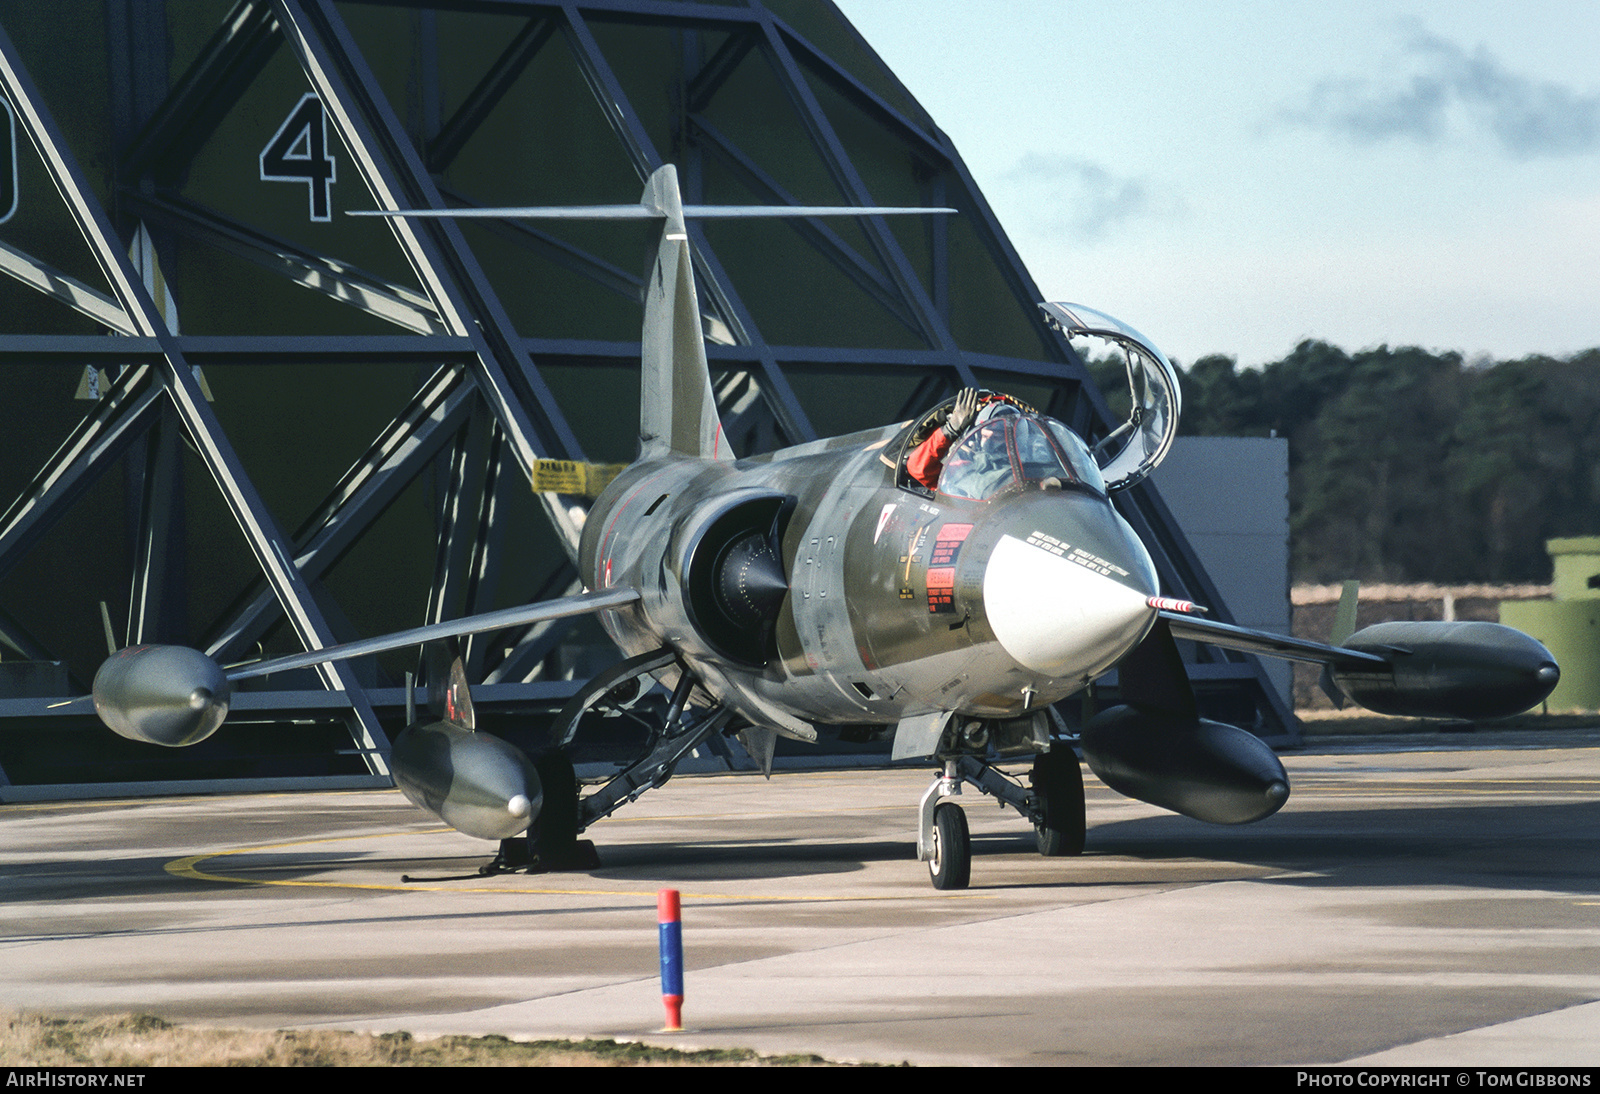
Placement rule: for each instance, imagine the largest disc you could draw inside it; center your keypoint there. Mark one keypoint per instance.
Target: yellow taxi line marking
(188, 867)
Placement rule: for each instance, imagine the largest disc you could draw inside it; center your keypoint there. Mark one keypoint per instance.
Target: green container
(1577, 567)
(1570, 630)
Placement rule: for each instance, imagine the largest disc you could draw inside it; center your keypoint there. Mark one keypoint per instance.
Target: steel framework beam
(393, 461)
(397, 304)
(178, 380)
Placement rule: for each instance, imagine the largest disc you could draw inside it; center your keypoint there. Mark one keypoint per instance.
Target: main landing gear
(1058, 824)
(1054, 806)
(552, 842)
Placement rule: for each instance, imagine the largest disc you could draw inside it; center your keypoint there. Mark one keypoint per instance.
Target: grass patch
(143, 1040)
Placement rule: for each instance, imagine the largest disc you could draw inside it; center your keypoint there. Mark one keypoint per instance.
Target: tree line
(1406, 465)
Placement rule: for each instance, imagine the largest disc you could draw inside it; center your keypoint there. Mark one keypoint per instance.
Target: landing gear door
(1134, 449)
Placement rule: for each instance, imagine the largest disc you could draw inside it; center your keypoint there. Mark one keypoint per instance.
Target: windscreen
(1016, 449)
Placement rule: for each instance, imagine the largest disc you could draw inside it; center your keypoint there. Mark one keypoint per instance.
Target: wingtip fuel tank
(1206, 770)
(1466, 670)
(474, 782)
(163, 695)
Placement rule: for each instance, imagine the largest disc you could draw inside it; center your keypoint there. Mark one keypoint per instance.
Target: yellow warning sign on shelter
(572, 477)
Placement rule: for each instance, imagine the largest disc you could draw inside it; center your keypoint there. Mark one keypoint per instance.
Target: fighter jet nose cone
(1062, 614)
(163, 695)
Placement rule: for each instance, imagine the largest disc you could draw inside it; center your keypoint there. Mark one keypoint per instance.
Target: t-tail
(677, 407)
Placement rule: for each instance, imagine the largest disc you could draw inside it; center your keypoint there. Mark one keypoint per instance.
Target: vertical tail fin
(678, 412)
(1344, 619)
(1344, 625)
(677, 409)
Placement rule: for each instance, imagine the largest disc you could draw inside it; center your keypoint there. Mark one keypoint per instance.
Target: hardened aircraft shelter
(238, 419)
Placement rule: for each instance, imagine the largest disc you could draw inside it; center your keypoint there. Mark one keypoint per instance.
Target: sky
(1234, 177)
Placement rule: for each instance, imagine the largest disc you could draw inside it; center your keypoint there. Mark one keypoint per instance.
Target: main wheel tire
(555, 835)
(1058, 780)
(951, 864)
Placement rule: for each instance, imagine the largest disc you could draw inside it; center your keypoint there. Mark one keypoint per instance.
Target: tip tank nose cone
(163, 695)
(474, 782)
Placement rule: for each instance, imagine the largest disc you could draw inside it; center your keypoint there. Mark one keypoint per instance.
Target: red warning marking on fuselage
(941, 589)
(947, 544)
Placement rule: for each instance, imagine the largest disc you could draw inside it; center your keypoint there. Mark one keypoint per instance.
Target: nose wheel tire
(1058, 781)
(951, 863)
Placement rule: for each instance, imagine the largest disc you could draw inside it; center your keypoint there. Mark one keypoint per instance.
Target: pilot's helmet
(993, 409)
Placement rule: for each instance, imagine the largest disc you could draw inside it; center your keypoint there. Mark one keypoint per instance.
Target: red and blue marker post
(669, 918)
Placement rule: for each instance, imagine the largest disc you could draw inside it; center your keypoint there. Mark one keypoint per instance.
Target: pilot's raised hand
(962, 414)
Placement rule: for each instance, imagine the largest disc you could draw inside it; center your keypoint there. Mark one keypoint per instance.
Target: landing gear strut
(552, 842)
(553, 839)
(1054, 806)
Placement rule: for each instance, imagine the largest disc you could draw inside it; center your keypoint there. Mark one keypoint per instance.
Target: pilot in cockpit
(926, 461)
(988, 442)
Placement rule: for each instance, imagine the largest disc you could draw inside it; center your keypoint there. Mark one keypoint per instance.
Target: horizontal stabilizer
(677, 405)
(582, 604)
(651, 212)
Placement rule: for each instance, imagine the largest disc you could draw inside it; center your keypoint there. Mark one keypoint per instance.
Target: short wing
(582, 604)
(1265, 643)
(175, 696)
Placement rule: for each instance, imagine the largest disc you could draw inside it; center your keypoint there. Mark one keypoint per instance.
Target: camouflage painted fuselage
(899, 602)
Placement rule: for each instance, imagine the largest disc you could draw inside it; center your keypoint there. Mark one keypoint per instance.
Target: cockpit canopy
(1011, 445)
(1134, 449)
(1012, 448)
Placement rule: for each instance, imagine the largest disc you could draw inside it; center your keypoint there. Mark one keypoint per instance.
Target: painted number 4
(298, 152)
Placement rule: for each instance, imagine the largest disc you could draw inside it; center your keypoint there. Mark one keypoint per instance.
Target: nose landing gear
(1054, 806)
(950, 865)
